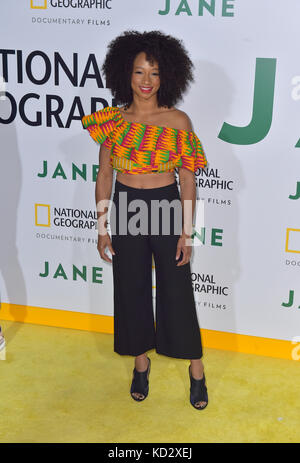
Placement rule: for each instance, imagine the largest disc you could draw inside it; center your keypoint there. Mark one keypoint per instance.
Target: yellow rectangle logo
(292, 243)
(38, 4)
(42, 215)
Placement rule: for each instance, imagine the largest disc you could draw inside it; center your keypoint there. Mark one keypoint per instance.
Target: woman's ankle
(141, 362)
(197, 369)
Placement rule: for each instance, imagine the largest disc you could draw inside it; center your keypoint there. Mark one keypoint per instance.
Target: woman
(145, 140)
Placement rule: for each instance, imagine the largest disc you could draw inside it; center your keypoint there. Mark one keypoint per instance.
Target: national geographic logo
(211, 179)
(292, 240)
(19, 66)
(206, 284)
(38, 4)
(97, 4)
(292, 245)
(65, 217)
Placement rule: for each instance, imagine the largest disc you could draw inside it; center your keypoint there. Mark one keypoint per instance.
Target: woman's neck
(142, 107)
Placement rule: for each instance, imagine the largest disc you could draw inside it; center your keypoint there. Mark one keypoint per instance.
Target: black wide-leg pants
(175, 330)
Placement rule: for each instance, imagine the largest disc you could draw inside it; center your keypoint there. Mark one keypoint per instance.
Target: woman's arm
(102, 195)
(188, 201)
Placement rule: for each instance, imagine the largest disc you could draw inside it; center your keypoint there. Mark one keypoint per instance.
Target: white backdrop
(249, 264)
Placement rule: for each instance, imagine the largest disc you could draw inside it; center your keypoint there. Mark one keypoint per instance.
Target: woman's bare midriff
(153, 180)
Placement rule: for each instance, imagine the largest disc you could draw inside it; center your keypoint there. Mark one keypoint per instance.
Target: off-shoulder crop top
(138, 148)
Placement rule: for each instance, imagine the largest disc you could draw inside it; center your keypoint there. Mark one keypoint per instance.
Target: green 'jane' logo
(215, 237)
(297, 194)
(225, 7)
(290, 300)
(74, 173)
(77, 274)
(262, 110)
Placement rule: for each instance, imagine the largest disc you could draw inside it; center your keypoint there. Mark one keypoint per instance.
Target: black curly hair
(175, 66)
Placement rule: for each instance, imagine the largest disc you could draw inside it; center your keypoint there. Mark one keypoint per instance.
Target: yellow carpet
(63, 385)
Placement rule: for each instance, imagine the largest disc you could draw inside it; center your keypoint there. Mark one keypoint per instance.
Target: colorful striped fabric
(138, 148)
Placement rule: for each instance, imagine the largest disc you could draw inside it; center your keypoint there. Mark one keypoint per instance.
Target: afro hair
(175, 66)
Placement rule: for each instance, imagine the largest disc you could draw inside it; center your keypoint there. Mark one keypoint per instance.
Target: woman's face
(145, 80)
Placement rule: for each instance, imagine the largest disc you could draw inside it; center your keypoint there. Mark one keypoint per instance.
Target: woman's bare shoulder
(179, 120)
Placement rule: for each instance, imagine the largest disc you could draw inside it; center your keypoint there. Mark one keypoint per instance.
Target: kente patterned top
(138, 148)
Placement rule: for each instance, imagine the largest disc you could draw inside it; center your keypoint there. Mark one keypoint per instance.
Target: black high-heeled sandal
(198, 391)
(140, 382)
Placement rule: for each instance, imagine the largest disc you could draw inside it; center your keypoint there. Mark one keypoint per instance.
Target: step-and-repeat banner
(245, 108)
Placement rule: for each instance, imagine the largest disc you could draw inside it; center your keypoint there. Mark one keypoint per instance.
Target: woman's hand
(184, 246)
(103, 243)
